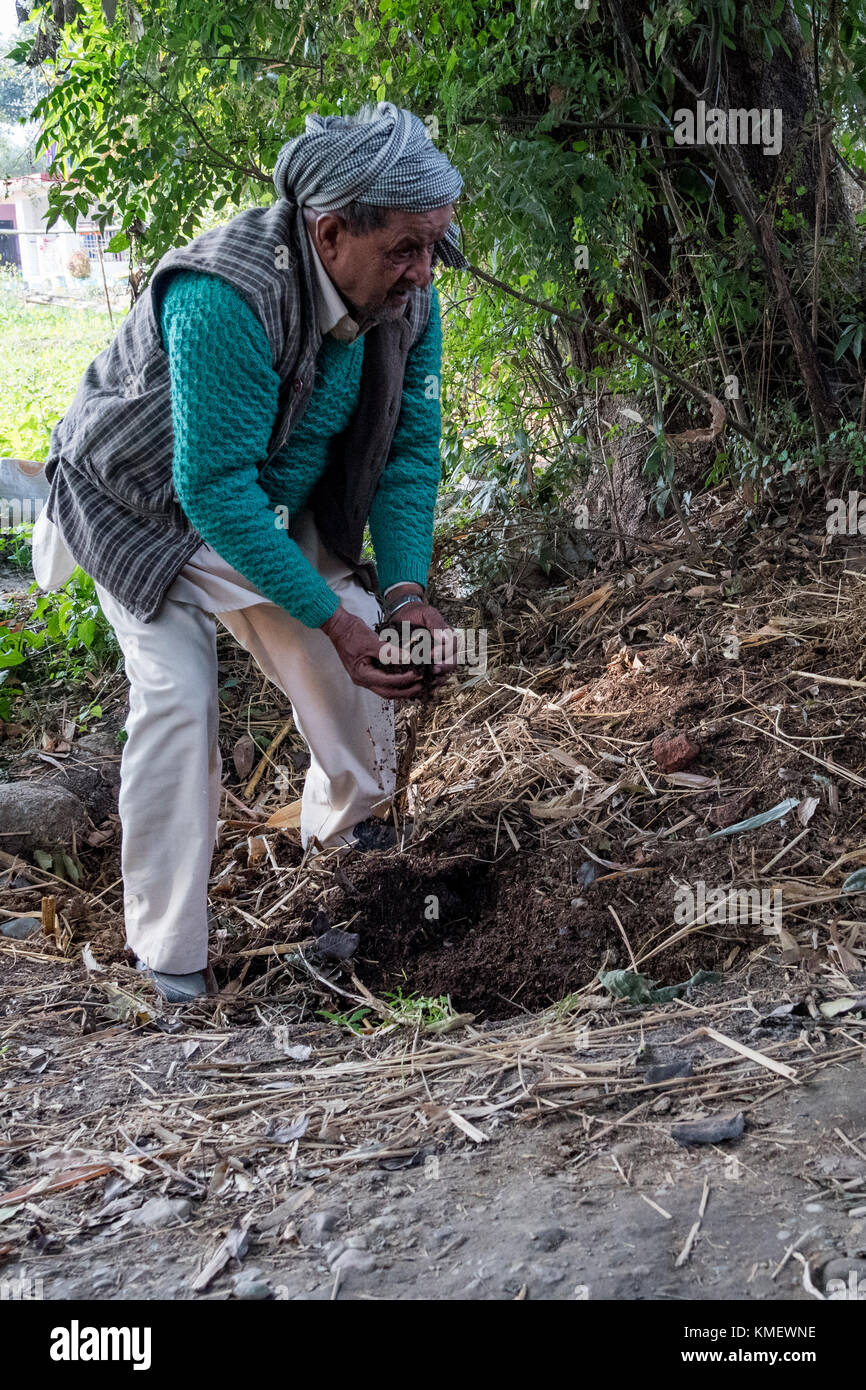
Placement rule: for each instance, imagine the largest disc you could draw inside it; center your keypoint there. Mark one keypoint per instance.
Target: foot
(373, 833)
(175, 989)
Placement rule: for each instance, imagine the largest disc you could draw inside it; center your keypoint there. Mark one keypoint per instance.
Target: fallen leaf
(243, 755)
(755, 822)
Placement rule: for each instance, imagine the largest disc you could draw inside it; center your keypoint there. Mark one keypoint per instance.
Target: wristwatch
(402, 603)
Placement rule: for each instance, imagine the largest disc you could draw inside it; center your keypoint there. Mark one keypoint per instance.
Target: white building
(43, 254)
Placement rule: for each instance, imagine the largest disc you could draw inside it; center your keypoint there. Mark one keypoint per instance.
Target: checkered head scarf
(383, 156)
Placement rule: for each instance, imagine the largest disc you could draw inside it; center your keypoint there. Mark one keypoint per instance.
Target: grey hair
(362, 218)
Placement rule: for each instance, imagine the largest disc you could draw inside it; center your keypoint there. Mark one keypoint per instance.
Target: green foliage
(15, 546)
(173, 114)
(61, 643)
(404, 1011)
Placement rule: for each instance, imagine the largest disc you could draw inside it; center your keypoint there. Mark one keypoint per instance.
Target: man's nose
(421, 270)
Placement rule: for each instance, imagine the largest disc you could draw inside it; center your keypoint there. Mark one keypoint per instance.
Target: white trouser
(171, 764)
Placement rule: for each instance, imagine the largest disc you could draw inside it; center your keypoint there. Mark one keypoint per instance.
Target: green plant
(350, 1021)
(419, 1010)
(65, 639)
(15, 545)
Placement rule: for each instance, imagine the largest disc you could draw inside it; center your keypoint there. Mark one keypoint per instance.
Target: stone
(674, 752)
(314, 1227)
(39, 815)
(251, 1286)
(384, 1223)
(549, 1237)
(19, 928)
(359, 1260)
(162, 1211)
(546, 1274)
(101, 743)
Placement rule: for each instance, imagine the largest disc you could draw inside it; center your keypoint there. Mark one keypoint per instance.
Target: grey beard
(382, 314)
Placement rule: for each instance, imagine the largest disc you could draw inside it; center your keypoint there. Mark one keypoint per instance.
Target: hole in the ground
(489, 935)
(498, 938)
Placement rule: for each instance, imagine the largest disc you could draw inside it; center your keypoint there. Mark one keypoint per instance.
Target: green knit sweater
(224, 406)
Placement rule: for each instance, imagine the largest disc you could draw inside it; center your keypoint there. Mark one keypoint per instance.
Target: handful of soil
(411, 656)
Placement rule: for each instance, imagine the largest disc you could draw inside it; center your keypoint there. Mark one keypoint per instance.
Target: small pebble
(354, 1259)
(162, 1211)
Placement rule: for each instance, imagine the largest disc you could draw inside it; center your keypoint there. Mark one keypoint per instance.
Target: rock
(384, 1223)
(712, 1130)
(333, 1250)
(19, 928)
(336, 944)
(359, 1260)
(547, 1274)
(318, 1225)
(101, 743)
(549, 1237)
(251, 1286)
(39, 815)
(162, 1211)
(674, 752)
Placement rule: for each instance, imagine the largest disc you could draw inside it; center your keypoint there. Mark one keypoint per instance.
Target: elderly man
(274, 390)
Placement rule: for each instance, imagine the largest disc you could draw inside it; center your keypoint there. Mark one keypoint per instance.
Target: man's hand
(424, 615)
(359, 648)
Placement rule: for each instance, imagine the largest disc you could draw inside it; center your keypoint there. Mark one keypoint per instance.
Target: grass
(51, 346)
(65, 637)
(404, 1010)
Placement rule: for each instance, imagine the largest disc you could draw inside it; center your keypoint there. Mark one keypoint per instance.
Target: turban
(383, 156)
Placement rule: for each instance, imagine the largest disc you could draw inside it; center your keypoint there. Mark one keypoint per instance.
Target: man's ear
(328, 232)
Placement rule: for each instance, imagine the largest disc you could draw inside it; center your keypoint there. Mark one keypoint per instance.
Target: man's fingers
(388, 692)
(399, 680)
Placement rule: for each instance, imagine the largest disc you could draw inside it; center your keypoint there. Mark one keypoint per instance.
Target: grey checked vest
(110, 460)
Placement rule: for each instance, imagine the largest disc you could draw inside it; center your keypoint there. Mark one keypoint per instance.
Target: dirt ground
(560, 1206)
(513, 1138)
